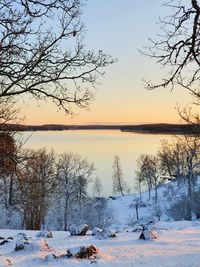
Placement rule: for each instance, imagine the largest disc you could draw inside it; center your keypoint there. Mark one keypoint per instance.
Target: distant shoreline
(156, 128)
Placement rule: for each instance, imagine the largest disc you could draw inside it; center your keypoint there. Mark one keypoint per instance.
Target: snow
(177, 243)
(124, 206)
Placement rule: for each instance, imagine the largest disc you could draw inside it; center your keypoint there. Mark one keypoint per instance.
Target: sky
(120, 28)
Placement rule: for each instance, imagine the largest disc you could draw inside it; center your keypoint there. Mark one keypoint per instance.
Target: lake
(99, 147)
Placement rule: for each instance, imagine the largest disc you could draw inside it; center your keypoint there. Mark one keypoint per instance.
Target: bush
(132, 221)
(157, 211)
(178, 209)
(169, 192)
(98, 214)
(196, 203)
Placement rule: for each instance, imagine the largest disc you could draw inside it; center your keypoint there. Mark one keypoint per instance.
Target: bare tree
(8, 113)
(8, 161)
(65, 191)
(172, 159)
(97, 187)
(119, 185)
(196, 202)
(74, 174)
(143, 172)
(154, 168)
(177, 47)
(148, 173)
(185, 164)
(101, 216)
(178, 209)
(166, 158)
(42, 53)
(192, 151)
(157, 211)
(37, 181)
(139, 180)
(7, 154)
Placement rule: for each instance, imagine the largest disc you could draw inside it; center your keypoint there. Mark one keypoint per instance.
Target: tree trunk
(10, 199)
(140, 190)
(156, 191)
(156, 194)
(189, 198)
(136, 209)
(149, 190)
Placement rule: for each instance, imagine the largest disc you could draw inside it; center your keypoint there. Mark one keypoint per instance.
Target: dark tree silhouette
(177, 49)
(42, 53)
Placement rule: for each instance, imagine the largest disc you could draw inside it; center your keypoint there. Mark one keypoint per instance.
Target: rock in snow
(78, 229)
(4, 242)
(148, 234)
(22, 244)
(44, 234)
(82, 252)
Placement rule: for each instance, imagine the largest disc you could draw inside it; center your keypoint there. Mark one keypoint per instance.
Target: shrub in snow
(97, 213)
(178, 210)
(137, 228)
(107, 233)
(82, 252)
(96, 231)
(170, 191)
(196, 203)
(22, 236)
(110, 233)
(148, 234)
(32, 245)
(22, 242)
(147, 221)
(44, 234)
(78, 229)
(131, 221)
(157, 211)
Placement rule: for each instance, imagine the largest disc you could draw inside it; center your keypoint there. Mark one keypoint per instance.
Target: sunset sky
(120, 28)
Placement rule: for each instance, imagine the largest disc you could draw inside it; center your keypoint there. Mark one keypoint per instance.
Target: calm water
(100, 147)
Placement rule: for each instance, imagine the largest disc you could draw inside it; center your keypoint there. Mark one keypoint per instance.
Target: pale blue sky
(120, 28)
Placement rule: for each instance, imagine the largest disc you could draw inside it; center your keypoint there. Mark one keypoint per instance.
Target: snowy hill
(125, 211)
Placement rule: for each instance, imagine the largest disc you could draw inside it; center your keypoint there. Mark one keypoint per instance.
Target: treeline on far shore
(158, 128)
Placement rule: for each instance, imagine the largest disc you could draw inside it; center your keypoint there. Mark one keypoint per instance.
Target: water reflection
(100, 146)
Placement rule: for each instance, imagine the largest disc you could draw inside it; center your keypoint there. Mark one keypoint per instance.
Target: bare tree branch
(42, 53)
(177, 49)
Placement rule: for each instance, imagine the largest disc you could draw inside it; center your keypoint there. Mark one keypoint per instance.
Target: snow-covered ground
(178, 244)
